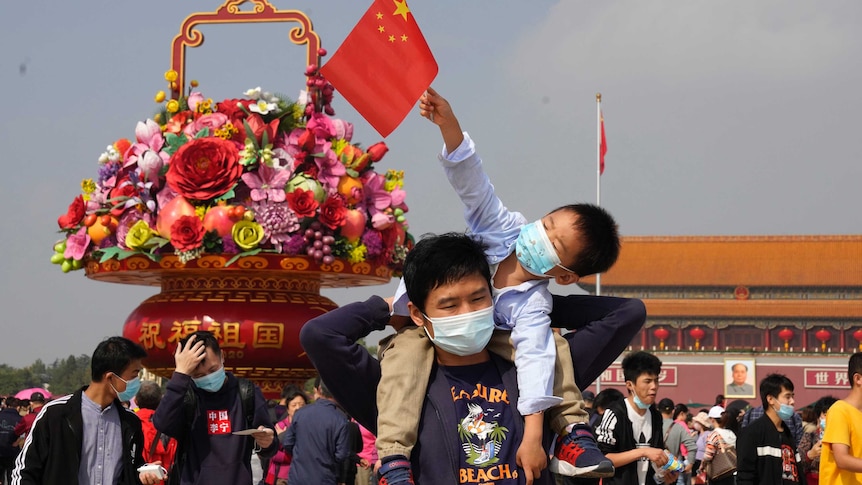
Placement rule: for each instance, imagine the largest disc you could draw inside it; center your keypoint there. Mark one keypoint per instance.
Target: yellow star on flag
(381, 29)
(403, 38)
(401, 9)
(391, 38)
(379, 15)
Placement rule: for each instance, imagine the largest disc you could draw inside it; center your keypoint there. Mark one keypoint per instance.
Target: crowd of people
(474, 387)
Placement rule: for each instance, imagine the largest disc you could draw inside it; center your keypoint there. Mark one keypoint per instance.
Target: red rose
(377, 150)
(73, 215)
(230, 109)
(204, 168)
(124, 190)
(333, 214)
(302, 203)
(187, 233)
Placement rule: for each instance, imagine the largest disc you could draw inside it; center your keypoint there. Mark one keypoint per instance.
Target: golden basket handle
(230, 13)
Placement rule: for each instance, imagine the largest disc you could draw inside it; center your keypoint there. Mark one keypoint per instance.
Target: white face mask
(464, 334)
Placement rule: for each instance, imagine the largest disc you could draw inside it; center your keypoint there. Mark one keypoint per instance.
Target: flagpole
(598, 195)
(598, 171)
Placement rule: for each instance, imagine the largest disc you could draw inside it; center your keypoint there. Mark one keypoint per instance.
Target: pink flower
(343, 129)
(382, 220)
(376, 196)
(330, 169)
(212, 121)
(147, 152)
(267, 183)
(76, 244)
(194, 100)
(321, 125)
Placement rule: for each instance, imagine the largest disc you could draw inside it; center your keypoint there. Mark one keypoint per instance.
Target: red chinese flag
(383, 66)
(603, 148)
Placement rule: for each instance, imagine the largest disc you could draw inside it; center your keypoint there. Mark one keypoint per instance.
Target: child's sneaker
(395, 470)
(577, 455)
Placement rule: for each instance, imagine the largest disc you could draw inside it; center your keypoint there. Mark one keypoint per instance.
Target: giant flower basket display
(240, 210)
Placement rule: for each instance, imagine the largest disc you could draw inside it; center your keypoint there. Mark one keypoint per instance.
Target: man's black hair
(205, 336)
(639, 363)
(321, 388)
(607, 396)
(822, 405)
(665, 406)
(114, 354)
(771, 386)
(600, 238)
(441, 260)
(854, 366)
(149, 395)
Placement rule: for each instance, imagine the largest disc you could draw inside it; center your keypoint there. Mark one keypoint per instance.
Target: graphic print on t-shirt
(484, 423)
(788, 463)
(218, 421)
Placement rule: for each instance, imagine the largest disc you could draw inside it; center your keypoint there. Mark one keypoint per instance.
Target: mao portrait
(739, 378)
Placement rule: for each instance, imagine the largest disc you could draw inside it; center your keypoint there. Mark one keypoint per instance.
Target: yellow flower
(201, 211)
(227, 131)
(88, 186)
(160, 96)
(298, 112)
(139, 235)
(173, 106)
(247, 234)
(171, 76)
(357, 254)
(194, 83)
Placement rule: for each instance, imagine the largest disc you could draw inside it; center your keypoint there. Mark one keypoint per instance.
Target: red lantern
(662, 334)
(858, 336)
(823, 336)
(697, 333)
(786, 335)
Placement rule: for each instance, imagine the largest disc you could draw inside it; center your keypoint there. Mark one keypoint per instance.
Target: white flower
(110, 154)
(262, 107)
(253, 93)
(303, 99)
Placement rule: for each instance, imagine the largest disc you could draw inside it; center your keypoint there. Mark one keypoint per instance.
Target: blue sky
(732, 117)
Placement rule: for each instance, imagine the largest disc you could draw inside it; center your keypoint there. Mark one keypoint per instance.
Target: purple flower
(377, 198)
(278, 221)
(373, 242)
(267, 183)
(330, 169)
(108, 171)
(295, 245)
(229, 246)
(127, 220)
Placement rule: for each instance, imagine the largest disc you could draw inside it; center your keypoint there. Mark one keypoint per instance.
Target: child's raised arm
(437, 109)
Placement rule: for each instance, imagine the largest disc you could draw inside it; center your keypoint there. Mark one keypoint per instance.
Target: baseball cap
(716, 412)
(37, 397)
(665, 405)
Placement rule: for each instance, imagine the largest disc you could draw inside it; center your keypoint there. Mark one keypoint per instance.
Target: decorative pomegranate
(858, 336)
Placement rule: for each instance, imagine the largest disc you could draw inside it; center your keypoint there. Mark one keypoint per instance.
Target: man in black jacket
(765, 449)
(630, 433)
(89, 437)
(9, 417)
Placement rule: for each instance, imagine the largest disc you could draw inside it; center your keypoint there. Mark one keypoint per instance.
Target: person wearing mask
(810, 445)
(766, 449)
(279, 465)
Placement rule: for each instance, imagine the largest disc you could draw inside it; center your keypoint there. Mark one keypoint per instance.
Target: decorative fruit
(169, 214)
(351, 189)
(102, 228)
(354, 224)
(221, 219)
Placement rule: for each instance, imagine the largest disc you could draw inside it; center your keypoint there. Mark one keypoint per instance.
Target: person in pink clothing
(279, 465)
(367, 457)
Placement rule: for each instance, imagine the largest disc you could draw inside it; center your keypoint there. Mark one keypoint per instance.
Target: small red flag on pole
(603, 143)
(383, 66)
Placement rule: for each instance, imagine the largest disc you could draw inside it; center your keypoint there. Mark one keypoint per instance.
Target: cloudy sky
(733, 117)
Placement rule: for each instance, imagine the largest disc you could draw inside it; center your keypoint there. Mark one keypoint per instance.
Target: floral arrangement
(239, 176)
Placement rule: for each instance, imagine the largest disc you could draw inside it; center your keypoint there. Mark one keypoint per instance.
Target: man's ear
(416, 314)
(567, 279)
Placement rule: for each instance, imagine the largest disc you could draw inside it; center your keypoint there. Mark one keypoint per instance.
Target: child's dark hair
(821, 406)
(440, 260)
(639, 363)
(607, 396)
(771, 386)
(600, 238)
(205, 336)
(114, 354)
(730, 419)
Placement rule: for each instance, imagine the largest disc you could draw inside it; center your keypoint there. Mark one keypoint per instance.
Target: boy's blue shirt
(524, 309)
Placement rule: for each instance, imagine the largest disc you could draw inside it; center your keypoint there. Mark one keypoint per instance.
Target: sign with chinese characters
(233, 337)
(613, 376)
(826, 378)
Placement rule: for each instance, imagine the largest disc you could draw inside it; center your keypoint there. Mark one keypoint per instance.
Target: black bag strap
(246, 396)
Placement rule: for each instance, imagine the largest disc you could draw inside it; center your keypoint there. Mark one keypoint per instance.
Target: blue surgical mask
(211, 382)
(464, 334)
(822, 423)
(640, 404)
(132, 387)
(535, 251)
(784, 411)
